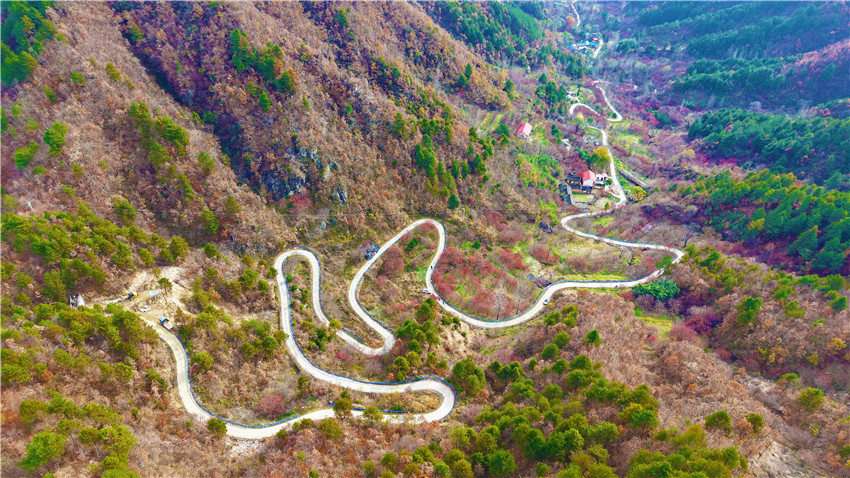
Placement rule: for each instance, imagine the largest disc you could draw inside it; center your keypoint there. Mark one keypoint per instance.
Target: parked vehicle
(145, 308)
(426, 291)
(166, 323)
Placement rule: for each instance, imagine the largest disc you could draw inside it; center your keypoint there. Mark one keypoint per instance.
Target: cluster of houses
(591, 41)
(587, 180)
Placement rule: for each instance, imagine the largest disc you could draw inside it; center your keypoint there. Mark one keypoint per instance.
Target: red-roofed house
(524, 130)
(588, 178)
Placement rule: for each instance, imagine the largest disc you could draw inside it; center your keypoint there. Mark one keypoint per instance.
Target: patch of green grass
(495, 123)
(595, 276)
(604, 220)
(662, 323)
(469, 245)
(582, 247)
(538, 134)
(540, 170)
(485, 124)
(461, 290)
(513, 331)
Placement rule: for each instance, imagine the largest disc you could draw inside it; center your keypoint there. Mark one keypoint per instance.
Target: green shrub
(210, 221)
(748, 310)
(113, 72)
(44, 447)
(331, 428)
(25, 31)
(50, 94)
(217, 426)
(663, 289)
(719, 420)
(206, 162)
(78, 79)
(593, 338)
(23, 156)
(124, 210)
(549, 352)
(811, 399)
(389, 460)
(757, 421)
(55, 137)
(204, 361)
(172, 132)
(561, 339)
(31, 410)
(302, 424)
(89, 435)
(211, 251)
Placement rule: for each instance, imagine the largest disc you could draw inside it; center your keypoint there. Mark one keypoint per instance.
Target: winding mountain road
(432, 384)
(573, 6)
(617, 116)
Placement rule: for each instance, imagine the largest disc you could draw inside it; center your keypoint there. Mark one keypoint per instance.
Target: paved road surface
(436, 385)
(573, 6)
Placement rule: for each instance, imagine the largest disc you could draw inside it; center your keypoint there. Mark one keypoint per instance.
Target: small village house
(601, 179)
(588, 180)
(524, 130)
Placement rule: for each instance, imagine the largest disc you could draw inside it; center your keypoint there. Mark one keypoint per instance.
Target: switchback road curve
(442, 389)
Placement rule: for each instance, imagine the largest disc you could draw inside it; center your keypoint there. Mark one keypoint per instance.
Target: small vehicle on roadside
(546, 301)
(426, 291)
(166, 323)
(144, 308)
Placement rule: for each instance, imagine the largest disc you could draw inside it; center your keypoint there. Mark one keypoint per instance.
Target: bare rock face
(339, 194)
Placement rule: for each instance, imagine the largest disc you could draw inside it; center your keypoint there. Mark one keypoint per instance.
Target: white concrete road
(617, 116)
(573, 6)
(434, 385)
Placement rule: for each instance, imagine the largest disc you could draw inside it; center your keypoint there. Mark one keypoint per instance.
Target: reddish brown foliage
(511, 236)
(272, 406)
(543, 254)
(393, 262)
(686, 334)
(482, 304)
(451, 257)
(512, 260)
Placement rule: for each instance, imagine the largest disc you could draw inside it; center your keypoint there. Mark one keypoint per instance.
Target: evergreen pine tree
(454, 202)
(831, 257)
(805, 245)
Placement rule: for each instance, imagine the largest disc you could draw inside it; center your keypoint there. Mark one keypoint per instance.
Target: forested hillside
(766, 207)
(737, 53)
(160, 160)
(814, 149)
